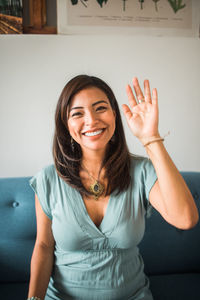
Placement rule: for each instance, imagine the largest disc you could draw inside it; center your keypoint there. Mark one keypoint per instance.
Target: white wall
(34, 69)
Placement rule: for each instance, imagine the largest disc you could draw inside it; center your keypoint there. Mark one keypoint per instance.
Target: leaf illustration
(74, 2)
(141, 3)
(124, 5)
(156, 6)
(101, 2)
(176, 5)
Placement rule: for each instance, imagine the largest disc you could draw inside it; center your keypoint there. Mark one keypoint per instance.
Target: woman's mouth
(94, 133)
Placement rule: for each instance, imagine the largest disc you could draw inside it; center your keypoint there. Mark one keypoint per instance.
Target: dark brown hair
(68, 155)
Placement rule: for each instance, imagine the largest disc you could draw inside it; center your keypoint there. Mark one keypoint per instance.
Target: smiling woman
(87, 131)
(90, 123)
(91, 204)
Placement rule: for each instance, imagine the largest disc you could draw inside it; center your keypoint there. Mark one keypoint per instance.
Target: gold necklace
(96, 188)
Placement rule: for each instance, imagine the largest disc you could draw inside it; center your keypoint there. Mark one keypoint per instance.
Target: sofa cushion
(17, 229)
(17, 291)
(166, 249)
(175, 286)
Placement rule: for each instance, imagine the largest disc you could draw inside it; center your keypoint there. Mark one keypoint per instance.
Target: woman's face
(91, 119)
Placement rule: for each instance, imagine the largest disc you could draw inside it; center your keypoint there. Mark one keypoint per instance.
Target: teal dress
(97, 263)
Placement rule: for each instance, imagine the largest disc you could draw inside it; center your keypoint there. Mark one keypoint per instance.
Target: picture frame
(37, 18)
(145, 17)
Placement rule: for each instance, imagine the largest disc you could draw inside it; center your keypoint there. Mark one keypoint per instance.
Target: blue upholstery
(17, 236)
(171, 256)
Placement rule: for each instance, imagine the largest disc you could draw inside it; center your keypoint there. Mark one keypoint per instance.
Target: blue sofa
(171, 256)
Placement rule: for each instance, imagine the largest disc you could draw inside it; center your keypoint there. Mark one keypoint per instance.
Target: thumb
(127, 112)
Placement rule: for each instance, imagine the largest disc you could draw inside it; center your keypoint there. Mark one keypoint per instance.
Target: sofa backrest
(17, 229)
(168, 250)
(164, 248)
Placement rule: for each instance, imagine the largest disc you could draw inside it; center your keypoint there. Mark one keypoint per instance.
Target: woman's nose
(90, 118)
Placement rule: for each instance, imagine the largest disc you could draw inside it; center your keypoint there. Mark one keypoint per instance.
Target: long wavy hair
(67, 154)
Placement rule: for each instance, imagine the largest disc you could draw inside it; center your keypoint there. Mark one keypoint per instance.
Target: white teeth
(94, 132)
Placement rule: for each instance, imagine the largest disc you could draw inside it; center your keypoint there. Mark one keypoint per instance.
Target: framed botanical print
(156, 17)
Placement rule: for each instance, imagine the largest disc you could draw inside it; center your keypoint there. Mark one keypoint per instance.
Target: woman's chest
(116, 222)
(96, 209)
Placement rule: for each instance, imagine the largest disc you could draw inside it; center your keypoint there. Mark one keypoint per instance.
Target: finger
(155, 97)
(147, 91)
(138, 91)
(131, 97)
(127, 112)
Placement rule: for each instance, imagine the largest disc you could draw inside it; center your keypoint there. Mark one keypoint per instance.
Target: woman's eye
(100, 108)
(76, 114)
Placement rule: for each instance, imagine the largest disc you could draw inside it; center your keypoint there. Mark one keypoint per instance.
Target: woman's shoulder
(49, 176)
(138, 161)
(48, 172)
(140, 164)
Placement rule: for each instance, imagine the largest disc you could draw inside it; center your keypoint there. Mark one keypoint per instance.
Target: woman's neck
(93, 162)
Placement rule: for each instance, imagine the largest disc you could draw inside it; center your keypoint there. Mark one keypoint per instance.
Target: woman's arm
(43, 255)
(170, 194)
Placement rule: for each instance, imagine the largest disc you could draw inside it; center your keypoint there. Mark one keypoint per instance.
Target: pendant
(97, 189)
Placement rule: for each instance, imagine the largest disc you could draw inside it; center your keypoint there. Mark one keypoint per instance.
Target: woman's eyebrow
(100, 101)
(77, 107)
(81, 107)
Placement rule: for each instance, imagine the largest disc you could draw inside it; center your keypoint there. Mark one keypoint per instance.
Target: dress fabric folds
(97, 263)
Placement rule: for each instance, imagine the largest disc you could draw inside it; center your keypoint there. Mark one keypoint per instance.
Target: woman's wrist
(146, 141)
(151, 139)
(33, 298)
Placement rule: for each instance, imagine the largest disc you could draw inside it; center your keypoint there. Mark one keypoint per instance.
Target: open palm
(142, 115)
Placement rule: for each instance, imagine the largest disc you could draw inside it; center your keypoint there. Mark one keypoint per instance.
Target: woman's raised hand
(142, 115)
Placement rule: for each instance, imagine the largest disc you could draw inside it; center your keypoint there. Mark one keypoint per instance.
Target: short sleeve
(41, 186)
(149, 177)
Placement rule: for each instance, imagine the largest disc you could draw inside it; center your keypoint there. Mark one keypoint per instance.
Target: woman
(91, 203)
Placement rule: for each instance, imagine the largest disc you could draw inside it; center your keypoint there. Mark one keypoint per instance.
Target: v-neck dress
(97, 263)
